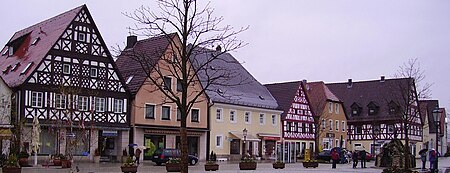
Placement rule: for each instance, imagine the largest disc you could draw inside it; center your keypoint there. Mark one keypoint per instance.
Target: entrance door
(234, 146)
(153, 143)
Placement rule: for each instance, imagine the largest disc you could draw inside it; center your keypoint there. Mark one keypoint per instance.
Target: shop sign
(109, 133)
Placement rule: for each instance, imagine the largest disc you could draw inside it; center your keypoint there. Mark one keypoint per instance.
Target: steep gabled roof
(319, 94)
(48, 33)
(430, 106)
(284, 93)
(152, 49)
(237, 87)
(364, 92)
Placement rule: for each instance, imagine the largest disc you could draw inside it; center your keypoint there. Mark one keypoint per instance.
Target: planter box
(66, 163)
(11, 170)
(173, 167)
(310, 164)
(96, 159)
(129, 169)
(211, 167)
(57, 162)
(124, 159)
(23, 162)
(247, 165)
(278, 165)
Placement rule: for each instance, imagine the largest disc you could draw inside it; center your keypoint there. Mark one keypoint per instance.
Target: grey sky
(294, 40)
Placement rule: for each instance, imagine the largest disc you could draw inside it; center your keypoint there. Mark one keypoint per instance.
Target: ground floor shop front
(152, 139)
(290, 151)
(374, 147)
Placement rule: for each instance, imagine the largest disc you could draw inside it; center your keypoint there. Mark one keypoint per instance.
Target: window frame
(274, 119)
(219, 114)
(336, 125)
(178, 114)
(60, 101)
(263, 118)
(118, 106)
(37, 99)
(91, 70)
(219, 141)
(179, 85)
(331, 124)
(145, 111)
(336, 108)
(162, 112)
(249, 114)
(83, 36)
(165, 85)
(66, 66)
(343, 126)
(330, 107)
(233, 115)
(82, 103)
(198, 115)
(100, 107)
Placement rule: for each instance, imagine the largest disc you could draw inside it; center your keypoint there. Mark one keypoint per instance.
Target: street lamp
(437, 119)
(244, 132)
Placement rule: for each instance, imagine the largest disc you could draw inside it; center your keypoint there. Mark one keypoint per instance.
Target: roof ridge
(366, 81)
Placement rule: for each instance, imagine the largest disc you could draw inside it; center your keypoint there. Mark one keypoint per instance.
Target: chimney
(131, 41)
(305, 83)
(382, 79)
(350, 83)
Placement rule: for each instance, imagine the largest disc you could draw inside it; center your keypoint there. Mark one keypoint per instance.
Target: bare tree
(197, 29)
(320, 128)
(409, 93)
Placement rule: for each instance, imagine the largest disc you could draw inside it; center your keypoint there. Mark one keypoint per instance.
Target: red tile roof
(429, 106)
(319, 94)
(48, 32)
(284, 93)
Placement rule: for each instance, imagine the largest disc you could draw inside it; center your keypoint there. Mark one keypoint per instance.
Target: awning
(268, 136)
(241, 136)
(5, 133)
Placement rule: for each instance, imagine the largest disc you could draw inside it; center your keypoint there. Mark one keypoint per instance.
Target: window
(165, 113)
(81, 37)
(66, 68)
(194, 115)
(336, 107)
(179, 85)
(337, 125)
(218, 141)
(354, 112)
(36, 99)
(262, 119)
(99, 104)
(274, 119)
(174, 58)
(324, 124)
(83, 103)
(232, 116)
(149, 111)
(35, 41)
(14, 68)
(60, 101)
(337, 142)
(343, 126)
(331, 125)
(330, 107)
(5, 51)
(10, 51)
(129, 80)
(26, 68)
(167, 83)
(178, 114)
(307, 127)
(358, 129)
(390, 128)
(118, 106)
(93, 72)
(247, 118)
(371, 111)
(300, 127)
(219, 114)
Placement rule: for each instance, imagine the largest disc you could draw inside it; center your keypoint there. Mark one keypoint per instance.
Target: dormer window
(26, 68)
(373, 108)
(10, 51)
(81, 37)
(14, 68)
(356, 109)
(5, 51)
(129, 80)
(35, 41)
(6, 69)
(393, 107)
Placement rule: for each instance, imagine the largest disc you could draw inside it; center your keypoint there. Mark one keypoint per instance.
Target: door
(234, 146)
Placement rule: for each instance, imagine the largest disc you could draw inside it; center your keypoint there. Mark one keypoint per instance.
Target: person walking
(355, 159)
(335, 158)
(432, 158)
(362, 154)
(423, 157)
(137, 154)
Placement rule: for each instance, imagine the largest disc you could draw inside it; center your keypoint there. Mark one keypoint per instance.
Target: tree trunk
(407, 154)
(184, 149)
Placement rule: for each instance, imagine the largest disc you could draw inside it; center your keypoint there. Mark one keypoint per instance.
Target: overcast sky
(329, 41)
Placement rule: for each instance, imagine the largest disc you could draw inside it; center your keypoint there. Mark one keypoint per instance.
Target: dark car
(163, 155)
(324, 155)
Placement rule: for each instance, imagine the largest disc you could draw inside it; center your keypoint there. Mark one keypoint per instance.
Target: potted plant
(23, 158)
(65, 162)
(96, 155)
(247, 163)
(124, 155)
(310, 163)
(11, 165)
(278, 164)
(129, 166)
(57, 159)
(211, 164)
(173, 165)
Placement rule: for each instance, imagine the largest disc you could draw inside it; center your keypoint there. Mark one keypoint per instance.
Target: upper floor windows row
(247, 117)
(66, 69)
(324, 123)
(300, 127)
(168, 84)
(373, 108)
(150, 113)
(333, 107)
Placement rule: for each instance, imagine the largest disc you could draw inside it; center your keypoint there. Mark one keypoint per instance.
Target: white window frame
(220, 139)
(178, 110)
(343, 126)
(219, 115)
(168, 87)
(60, 101)
(145, 111)
(92, 74)
(170, 112)
(337, 125)
(233, 114)
(100, 104)
(324, 124)
(10, 51)
(336, 108)
(83, 36)
(65, 67)
(83, 102)
(249, 114)
(330, 107)
(36, 99)
(331, 124)
(118, 106)
(274, 119)
(263, 119)
(198, 116)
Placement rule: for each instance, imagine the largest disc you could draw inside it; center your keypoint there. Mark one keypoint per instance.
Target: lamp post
(437, 118)
(244, 133)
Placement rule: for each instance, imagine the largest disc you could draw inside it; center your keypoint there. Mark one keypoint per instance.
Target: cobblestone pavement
(225, 167)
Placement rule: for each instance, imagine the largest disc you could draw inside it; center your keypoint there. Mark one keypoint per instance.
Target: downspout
(208, 126)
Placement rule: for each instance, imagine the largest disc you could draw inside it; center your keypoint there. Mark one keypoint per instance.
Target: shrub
(174, 160)
(11, 162)
(129, 162)
(23, 154)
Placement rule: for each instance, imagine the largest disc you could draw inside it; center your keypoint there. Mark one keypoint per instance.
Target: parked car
(163, 155)
(368, 157)
(324, 155)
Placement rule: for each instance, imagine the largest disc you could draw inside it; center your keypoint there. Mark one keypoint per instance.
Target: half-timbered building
(5, 117)
(427, 107)
(297, 120)
(61, 72)
(377, 110)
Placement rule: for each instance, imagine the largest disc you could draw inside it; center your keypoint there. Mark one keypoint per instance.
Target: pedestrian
(335, 158)
(349, 157)
(355, 159)
(423, 157)
(362, 154)
(432, 158)
(137, 154)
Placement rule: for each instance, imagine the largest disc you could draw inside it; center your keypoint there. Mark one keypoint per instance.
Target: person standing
(362, 154)
(432, 159)
(355, 159)
(423, 157)
(335, 158)
(137, 154)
